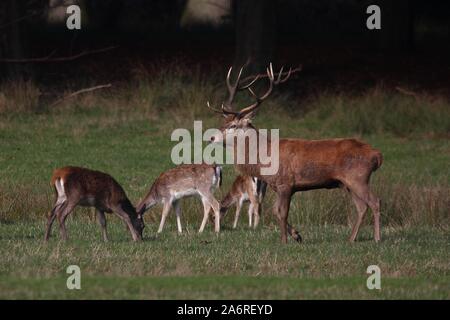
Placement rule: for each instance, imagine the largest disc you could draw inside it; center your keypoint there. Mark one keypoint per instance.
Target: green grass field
(237, 264)
(127, 134)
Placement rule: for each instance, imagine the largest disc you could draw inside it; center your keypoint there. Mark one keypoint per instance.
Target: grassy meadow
(125, 131)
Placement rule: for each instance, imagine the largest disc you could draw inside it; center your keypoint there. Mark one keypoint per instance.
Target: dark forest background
(329, 38)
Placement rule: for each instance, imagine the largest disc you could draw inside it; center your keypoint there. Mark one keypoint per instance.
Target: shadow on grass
(22, 237)
(6, 221)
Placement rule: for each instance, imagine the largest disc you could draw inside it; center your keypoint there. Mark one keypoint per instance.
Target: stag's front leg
(283, 202)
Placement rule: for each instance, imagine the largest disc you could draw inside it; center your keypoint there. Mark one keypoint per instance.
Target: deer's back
(311, 164)
(89, 183)
(183, 177)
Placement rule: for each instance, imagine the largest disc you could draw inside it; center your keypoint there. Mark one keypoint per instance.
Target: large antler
(272, 83)
(235, 87)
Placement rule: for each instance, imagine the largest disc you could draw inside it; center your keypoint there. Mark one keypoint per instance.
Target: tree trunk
(14, 37)
(3, 21)
(255, 23)
(397, 25)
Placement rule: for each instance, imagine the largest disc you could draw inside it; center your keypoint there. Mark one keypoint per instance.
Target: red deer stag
(79, 186)
(245, 189)
(184, 181)
(304, 164)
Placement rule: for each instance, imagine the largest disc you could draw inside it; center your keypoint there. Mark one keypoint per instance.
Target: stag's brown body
(304, 164)
(80, 186)
(315, 164)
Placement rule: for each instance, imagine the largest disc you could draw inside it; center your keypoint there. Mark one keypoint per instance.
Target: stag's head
(242, 120)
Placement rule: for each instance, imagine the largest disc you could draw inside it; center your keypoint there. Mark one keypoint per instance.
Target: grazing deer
(303, 164)
(245, 189)
(79, 186)
(184, 181)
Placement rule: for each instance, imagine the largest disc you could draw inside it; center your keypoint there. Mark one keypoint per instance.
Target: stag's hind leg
(374, 204)
(362, 191)
(361, 208)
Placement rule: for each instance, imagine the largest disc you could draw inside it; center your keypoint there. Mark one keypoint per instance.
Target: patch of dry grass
(19, 96)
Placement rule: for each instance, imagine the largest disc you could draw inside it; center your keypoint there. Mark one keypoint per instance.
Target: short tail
(54, 178)
(377, 159)
(218, 175)
(261, 188)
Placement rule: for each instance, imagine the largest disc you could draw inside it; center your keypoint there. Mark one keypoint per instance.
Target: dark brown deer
(304, 164)
(245, 189)
(79, 186)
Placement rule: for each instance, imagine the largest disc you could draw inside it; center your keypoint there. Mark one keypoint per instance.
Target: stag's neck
(250, 168)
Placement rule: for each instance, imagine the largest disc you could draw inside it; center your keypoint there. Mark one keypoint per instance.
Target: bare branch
(407, 92)
(215, 4)
(73, 94)
(19, 20)
(60, 59)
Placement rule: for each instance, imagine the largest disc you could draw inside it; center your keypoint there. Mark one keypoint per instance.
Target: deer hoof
(298, 237)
